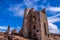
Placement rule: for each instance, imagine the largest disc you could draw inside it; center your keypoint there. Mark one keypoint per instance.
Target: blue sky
(12, 12)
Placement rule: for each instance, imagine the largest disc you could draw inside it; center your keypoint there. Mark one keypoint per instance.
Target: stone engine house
(35, 27)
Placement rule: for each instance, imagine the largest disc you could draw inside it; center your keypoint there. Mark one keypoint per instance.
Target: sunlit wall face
(12, 12)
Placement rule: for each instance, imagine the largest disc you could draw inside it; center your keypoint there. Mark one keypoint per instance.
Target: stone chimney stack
(8, 30)
(43, 10)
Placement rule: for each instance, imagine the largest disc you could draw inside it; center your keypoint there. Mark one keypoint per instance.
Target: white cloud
(28, 3)
(54, 20)
(18, 27)
(4, 28)
(55, 16)
(55, 9)
(19, 13)
(52, 27)
(17, 10)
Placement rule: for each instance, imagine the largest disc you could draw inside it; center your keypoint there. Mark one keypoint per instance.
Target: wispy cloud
(55, 9)
(57, 14)
(54, 18)
(18, 28)
(17, 10)
(52, 27)
(3, 27)
(28, 3)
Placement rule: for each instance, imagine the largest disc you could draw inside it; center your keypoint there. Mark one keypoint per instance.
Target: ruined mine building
(35, 27)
